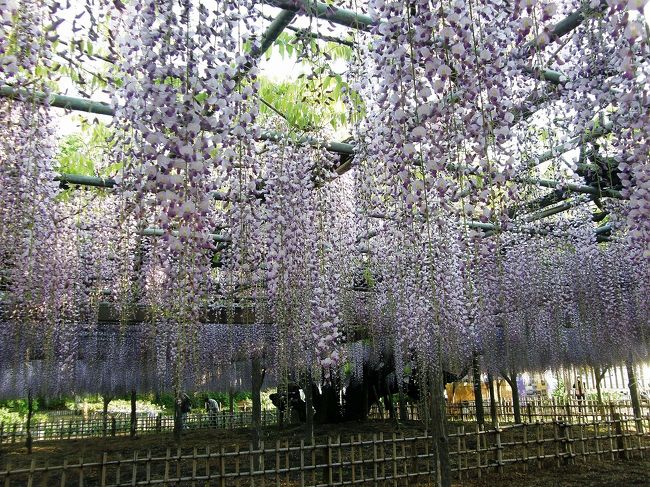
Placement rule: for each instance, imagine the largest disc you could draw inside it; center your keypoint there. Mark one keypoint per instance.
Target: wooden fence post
(374, 459)
(564, 438)
(620, 444)
(64, 472)
(479, 466)
(30, 478)
(81, 472)
(103, 470)
(499, 450)
(540, 444)
(525, 442)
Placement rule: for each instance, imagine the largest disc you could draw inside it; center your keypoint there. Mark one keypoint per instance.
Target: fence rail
(533, 410)
(549, 410)
(352, 461)
(120, 424)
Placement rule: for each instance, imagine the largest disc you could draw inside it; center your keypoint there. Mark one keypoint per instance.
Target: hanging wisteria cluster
(457, 92)
(220, 242)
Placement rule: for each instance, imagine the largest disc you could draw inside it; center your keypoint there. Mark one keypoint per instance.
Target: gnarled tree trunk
(106, 399)
(512, 382)
(478, 392)
(134, 418)
(30, 413)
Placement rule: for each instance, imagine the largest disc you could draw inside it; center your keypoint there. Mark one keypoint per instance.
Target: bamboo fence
(357, 460)
(533, 410)
(120, 424)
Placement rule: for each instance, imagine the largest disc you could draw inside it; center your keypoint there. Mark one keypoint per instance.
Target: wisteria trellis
(455, 110)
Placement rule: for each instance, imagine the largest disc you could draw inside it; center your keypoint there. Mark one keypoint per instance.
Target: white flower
(418, 133)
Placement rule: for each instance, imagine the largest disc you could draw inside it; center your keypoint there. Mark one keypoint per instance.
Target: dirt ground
(635, 472)
(91, 449)
(629, 473)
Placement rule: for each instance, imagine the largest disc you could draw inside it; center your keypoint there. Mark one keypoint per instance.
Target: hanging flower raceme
(549, 304)
(182, 113)
(37, 237)
(293, 253)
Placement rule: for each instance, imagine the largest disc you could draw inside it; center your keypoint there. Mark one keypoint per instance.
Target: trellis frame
(335, 15)
(350, 19)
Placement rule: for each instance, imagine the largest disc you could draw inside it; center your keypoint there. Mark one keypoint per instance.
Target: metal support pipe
(327, 12)
(100, 108)
(159, 232)
(273, 31)
(565, 26)
(58, 101)
(572, 21)
(98, 182)
(80, 180)
(271, 34)
(491, 228)
(567, 205)
(576, 188)
(355, 20)
(570, 144)
(335, 147)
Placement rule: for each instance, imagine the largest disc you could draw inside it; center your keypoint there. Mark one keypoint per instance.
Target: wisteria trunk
(516, 407)
(134, 419)
(403, 408)
(105, 401)
(178, 420)
(30, 413)
(309, 409)
(439, 428)
(634, 393)
(478, 393)
(256, 383)
(493, 403)
(599, 373)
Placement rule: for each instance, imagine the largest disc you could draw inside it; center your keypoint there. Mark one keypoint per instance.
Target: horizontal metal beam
(601, 233)
(335, 147)
(491, 228)
(548, 199)
(300, 33)
(572, 21)
(540, 215)
(348, 18)
(90, 106)
(159, 232)
(324, 11)
(576, 188)
(565, 26)
(80, 180)
(58, 101)
(570, 144)
(550, 75)
(109, 183)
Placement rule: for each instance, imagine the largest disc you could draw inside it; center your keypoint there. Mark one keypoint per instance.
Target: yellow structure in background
(458, 392)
